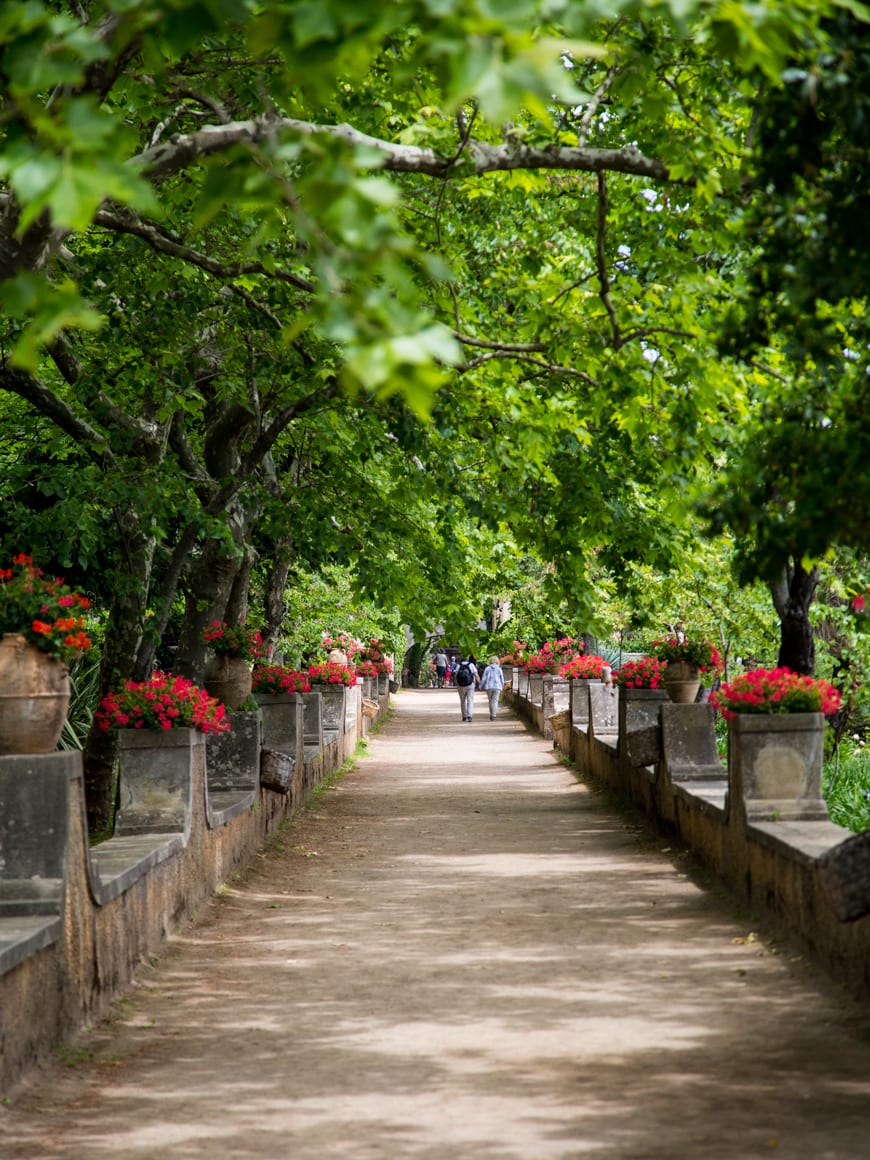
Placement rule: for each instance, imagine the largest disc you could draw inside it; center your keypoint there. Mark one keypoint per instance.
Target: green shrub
(846, 786)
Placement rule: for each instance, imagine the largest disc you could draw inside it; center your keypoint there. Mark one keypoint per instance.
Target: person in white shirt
(492, 682)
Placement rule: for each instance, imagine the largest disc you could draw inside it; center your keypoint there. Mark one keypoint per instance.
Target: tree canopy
(421, 288)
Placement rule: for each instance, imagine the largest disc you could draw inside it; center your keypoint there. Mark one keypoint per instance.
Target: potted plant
(776, 723)
(552, 654)
(43, 630)
(162, 702)
(161, 724)
(331, 673)
(276, 680)
(517, 657)
(275, 690)
(579, 671)
(775, 691)
(646, 673)
(585, 668)
(641, 690)
(686, 659)
(228, 672)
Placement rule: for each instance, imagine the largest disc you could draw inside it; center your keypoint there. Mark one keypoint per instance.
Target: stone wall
(808, 878)
(75, 920)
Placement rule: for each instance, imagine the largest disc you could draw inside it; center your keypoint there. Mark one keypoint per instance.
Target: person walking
(466, 682)
(492, 682)
(441, 663)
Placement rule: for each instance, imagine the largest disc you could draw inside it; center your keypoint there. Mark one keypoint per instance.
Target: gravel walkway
(462, 954)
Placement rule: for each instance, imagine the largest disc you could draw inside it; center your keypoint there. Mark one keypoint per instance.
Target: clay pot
(34, 697)
(229, 679)
(682, 682)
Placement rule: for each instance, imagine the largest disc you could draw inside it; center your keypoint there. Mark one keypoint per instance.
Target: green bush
(846, 786)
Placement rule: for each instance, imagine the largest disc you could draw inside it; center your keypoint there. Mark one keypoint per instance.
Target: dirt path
(461, 954)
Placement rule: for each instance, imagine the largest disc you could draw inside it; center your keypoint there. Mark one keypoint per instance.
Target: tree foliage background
(425, 290)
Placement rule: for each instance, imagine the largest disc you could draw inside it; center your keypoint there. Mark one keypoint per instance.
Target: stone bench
(34, 809)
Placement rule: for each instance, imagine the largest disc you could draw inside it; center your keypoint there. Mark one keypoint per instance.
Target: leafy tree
(217, 232)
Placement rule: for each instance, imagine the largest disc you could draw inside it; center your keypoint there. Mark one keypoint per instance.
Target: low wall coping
(803, 842)
(710, 797)
(114, 865)
(23, 935)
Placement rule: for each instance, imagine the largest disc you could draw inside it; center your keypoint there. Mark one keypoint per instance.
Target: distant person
(442, 663)
(466, 677)
(492, 683)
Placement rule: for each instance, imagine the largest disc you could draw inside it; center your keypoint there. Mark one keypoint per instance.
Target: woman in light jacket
(492, 682)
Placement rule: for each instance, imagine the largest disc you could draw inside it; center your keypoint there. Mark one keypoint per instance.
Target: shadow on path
(461, 954)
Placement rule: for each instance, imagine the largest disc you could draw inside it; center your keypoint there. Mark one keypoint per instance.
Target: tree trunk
(237, 604)
(792, 597)
(273, 597)
(209, 584)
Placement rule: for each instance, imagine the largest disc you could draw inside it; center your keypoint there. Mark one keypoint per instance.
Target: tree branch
(124, 221)
(592, 108)
(550, 368)
(181, 152)
(522, 347)
(47, 403)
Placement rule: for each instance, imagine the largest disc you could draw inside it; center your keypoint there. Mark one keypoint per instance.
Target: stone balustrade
(761, 828)
(75, 920)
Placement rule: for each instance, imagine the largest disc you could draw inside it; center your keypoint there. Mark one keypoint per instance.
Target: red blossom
(775, 691)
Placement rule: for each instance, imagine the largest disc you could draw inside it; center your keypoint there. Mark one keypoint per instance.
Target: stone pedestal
(640, 732)
(554, 700)
(282, 723)
(775, 766)
(34, 812)
(233, 758)
(333, 698)
(579, 699)
(312, 725)
(604, 711)
(155, 779)
(689, 743)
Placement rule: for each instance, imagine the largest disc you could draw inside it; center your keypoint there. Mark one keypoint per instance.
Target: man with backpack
(466, 682)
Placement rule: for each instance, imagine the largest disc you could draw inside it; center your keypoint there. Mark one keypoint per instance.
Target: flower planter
(579, 698)
(682, 682)
(640, 731)
(34, 697)
(233, 758)
(775, 765)
(536, 689)
(333, 698)
(604, 711)
(282, 722)
(228, 679)
(554, 700)
(155, 781)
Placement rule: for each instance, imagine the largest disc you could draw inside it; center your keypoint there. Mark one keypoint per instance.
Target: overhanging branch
(478, 157)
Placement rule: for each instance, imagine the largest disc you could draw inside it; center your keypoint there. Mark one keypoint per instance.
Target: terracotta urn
(682, 682)
(229, 679)
(34, 697)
